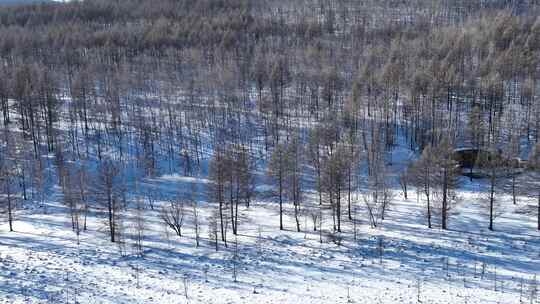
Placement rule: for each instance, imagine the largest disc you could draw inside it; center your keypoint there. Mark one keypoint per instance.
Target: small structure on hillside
(468, 158)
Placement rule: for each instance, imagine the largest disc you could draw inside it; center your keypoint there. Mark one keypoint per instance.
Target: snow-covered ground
(41, 262)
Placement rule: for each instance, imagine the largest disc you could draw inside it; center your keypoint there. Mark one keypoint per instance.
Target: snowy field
(400, 261)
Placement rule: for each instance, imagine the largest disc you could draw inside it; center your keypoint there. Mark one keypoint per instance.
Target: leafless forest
(300, 102)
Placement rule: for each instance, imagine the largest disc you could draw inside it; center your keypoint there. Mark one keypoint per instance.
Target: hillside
(232, 151)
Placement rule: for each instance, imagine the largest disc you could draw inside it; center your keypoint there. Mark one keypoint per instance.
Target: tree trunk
(319, 186)
(236, 216)
(338, 211)
(349, 194)
(232, 209)
(405, 194)
(10, 207)
(491, 199)
(428, 210)
(296, 217)
(445, 200)
(223, 236)
(538, 214)
(85, 215)
(111, 218)
(514, 199)
(280, 200)
(23, 184)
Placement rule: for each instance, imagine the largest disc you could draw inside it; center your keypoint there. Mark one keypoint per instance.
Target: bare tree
(213, 228)
(139, 225)
(492, 165)
(293, 178)
(217, 174)
(8, 187)
(404, 178)
(196, 224)
(108, 188)
(378, 194)
(173, 215)
(8, 176)
(534, 164)
(277, 172)
(335, 180)
(445, 176)
(422, 173)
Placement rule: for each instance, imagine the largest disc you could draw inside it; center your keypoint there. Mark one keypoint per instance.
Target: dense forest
(307, 97)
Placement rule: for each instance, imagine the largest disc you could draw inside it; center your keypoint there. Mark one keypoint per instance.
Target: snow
(41, 262)
(44, 261)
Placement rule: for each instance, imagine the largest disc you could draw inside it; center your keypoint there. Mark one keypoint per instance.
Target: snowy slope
(42, 263)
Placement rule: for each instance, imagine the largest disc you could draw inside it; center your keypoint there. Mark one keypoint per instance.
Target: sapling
(533, 290)
(380, 248)
(521, 290)
(495, 278)
(418, 290)
(234, 269)
(137, 272)
(213, 230)
(259, 240)
(135, 268)
(447, 267)
(320, 224)
(196, 222)
(314, 218)
(355, 228)
(66, 287)
(205, 270)
(140, 227)
(186, 285)
(235, 259)
(305, 225)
